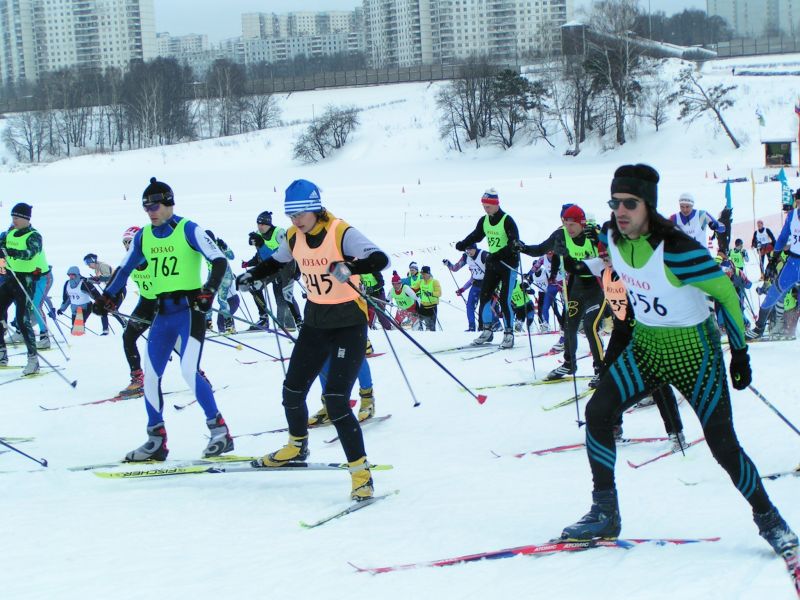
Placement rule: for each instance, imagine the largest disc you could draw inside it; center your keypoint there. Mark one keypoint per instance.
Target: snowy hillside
(72, 535)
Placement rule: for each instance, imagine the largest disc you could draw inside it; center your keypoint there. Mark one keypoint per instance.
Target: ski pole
(530, 337)
(400, 366)
(277, 339)
(775, 410)
(41, 461)
(569, 351)
(54, 316)
(458, 287)
(72, 384)
(481, 398)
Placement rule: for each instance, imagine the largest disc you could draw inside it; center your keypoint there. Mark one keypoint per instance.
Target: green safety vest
(143, 280)
(426, 296)
(737, 258)
(172, 263)
(496, 235)
(272, 243)
(413, 281)
(587, 250)
(368, 280)
(518, 297)
(19, 265)
(789, 301)
(402, 301)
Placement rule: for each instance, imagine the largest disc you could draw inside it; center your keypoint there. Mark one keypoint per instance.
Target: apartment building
(37, 36)
(412, 32)
(177, 45)
(758, 18)
(295, 24)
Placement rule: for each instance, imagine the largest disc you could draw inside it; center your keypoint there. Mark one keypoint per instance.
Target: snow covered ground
(72, 535)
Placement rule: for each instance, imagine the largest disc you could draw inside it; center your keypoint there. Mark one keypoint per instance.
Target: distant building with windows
(176, 45)
(403, 33)
(37, 36)
(758, 18)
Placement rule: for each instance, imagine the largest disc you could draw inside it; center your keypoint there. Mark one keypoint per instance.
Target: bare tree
(467, 101)
(658, 97)
(24, 135)
(326, 134)
(695, 100)
(262, 111)
(616, 63)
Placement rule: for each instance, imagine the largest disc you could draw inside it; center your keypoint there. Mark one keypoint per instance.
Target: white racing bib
(655, 300)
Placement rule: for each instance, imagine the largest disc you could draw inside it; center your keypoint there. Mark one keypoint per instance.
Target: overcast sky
(222, 19)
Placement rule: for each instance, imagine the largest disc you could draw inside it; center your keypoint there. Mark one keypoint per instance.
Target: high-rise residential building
(413, 32)
(758, 18)
(37, 36)
(177, 45)
(270, 37)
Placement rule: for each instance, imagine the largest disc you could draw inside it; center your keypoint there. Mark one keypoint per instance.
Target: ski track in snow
(70, 535)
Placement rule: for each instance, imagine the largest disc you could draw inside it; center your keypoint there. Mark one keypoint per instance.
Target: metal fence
(754, 47)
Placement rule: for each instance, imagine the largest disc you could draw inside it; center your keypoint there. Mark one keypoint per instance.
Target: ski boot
(559, 346)
(135, 387)
(677, 442)
(320, 418)
(544, 327)
(367, 408)
(560, 372)
(518, 326)
(485, 337)
(361, 480)
(508, 339)
(221, 440)
(32, 367)
(228, 325)
(3, 357)
(754, 333)
(44, 342)
(602, 520)
(295, 450)
(155, 448)
(778, 534)
(369, 349)
(617, 432)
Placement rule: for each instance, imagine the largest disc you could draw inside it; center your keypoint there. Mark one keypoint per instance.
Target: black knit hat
(640, 180)
(158, 192)
(265, 218)
(22, 210)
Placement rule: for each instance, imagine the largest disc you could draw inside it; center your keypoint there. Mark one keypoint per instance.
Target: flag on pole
(786, 192)
(728, 201)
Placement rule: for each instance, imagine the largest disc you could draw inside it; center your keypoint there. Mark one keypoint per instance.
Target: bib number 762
(647, 305)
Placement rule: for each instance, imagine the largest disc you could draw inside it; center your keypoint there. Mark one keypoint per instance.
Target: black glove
(517, 246)
(590, 231)
(221, 244)
(525, 286)
(560, 246)
(446, 262)
(255, 239)
(105, 304)
(204, 299)
(340, 271)
(244, 281)
(461, 246)
(12, 252)
(58, 312)
(741, 375)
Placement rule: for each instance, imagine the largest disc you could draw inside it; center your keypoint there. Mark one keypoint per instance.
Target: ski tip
(632, 465)
(481, 398)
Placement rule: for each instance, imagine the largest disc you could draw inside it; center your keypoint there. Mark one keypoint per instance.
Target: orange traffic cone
(78, 326)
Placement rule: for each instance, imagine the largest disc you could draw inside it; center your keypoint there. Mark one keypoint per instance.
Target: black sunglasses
(628, 203)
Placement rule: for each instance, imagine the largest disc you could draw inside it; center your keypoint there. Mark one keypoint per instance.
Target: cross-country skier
(694, 222)
(500, 232)
(675, 341)
(174, 249)
(330, 254)
(475, 260)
